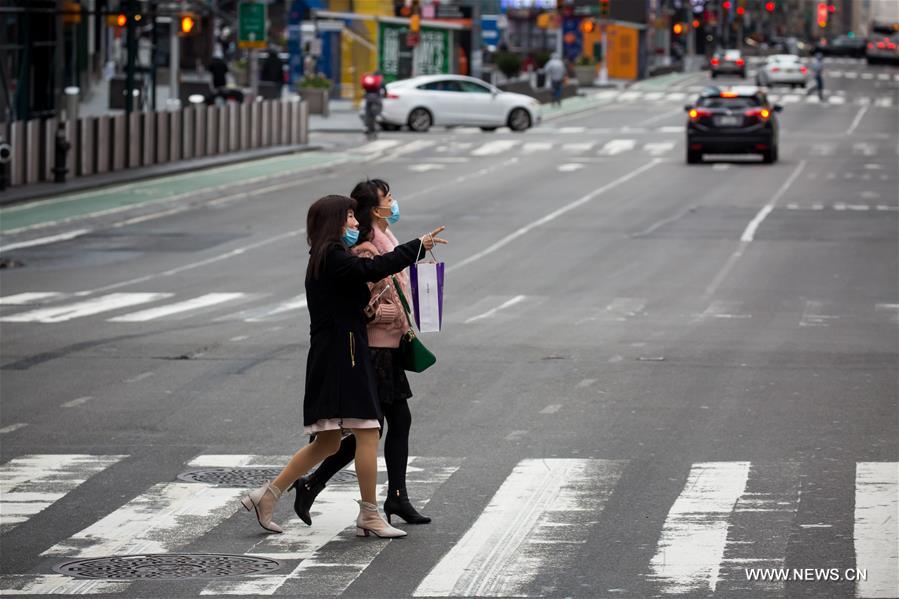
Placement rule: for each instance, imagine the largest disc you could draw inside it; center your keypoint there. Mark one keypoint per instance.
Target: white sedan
(782, 69)
(455, 100)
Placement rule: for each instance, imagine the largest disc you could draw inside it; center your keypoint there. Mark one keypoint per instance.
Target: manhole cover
(246, 477)
(167, 566)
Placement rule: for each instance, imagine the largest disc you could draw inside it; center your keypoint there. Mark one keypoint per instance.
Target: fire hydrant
(61, 149)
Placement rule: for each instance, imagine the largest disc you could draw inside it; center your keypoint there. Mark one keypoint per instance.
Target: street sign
(490, 30)
(251, 31)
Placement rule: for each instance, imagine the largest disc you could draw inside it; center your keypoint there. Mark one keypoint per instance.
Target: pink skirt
(336, 424)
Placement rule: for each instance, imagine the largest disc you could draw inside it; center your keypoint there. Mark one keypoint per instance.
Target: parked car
(455, 100)
(782, 69)
(842, 45)
(727, 62)
(883, 49)
(738, 120)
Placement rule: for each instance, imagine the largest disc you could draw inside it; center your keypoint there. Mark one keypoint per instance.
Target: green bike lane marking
(68, 206)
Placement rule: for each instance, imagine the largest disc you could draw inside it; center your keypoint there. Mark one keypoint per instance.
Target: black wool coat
(340, 379)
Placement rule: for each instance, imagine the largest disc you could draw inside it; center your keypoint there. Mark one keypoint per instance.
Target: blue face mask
(350, 236)
(394, 213)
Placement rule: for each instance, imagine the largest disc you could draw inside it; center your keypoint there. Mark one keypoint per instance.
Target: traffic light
(725, 5)
(588, 26)
(769, 6)
(741, 11)
(189, 24)
(678, 28)
(415, 23)
(832, 8)
(696, 24)
(605, 8)
(121, 19)
(822, 15)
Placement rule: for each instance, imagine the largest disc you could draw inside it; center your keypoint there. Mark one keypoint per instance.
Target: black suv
(738, 120)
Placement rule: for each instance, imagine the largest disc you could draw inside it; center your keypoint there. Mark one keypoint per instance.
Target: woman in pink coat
(376, 210)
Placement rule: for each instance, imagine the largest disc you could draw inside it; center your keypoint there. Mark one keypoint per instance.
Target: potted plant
(585, 70)
(315, 91)
(508, 63)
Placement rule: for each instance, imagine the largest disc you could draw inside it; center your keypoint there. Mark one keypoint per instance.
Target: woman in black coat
(340, 384)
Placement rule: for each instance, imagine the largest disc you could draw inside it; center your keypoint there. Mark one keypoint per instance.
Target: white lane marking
(140, 377)
(672, 129)
(760, 528)
(857, 119)
(23, 299)
(57, 584)
(12, 427)
(224, 256)
(106, 303)
(536, 146)
(896, 77)
(377, 146)
(723, 309)
(815, 315)
(675, 96)
(203, 301)
(164, 518)
(269, 312)
(850, 75)
(823, 149)
(570, 167)
(239, 338)
(413, 146)
(752, 227)
(329, 550)
(884, 102)
(836, 100)
(629, 96)
(553, 215)
(653, 96)
(516, 435)
(658, 148)
(868, 76)
(790, 99)
(80, 401)
(617, 146)
(492, 312)
(551, 408)
(543, 512)
(694, 535)
(578, 147)
(876, 532)
(585, 383)
(812, 99)
(571, 129)
(44, 240)
(883, 76)
(497, 146)
(424, 167)
(893, 309)
(31, 483)
(864, 148)
(720, 167)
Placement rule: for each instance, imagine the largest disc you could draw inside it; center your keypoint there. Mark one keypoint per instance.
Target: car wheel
(420, 120)
(519, 120)
(769, 155)
(488, 129)
(389, 127)
(694, 157)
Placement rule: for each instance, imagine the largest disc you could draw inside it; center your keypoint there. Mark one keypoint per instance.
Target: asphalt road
(651, 377)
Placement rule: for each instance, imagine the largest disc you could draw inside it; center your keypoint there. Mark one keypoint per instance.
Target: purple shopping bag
(427, 295)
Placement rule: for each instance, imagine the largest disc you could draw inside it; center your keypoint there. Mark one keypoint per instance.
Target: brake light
(775, 69)
(392, 96)
(762, 113)
(728, 94)
(716, 62)
(740, 62)
(804, 70)
(891, 45)
(871, 45)
(881, 45)
(698, 113)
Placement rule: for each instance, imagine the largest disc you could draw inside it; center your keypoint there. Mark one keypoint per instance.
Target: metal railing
(116, 142)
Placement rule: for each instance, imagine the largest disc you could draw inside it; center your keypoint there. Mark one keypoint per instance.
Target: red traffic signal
(121, 20)
(832, 8)
(741, 11)
(188, 24)
(678, 28)
(769, 6)
(725, 5)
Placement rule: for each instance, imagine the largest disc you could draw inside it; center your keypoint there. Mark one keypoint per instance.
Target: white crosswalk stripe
(498, 146)
(204, 301)
(90, 307)
(578, 147)
(727, 516)
(24, 299)
(659, 147)
(31, 483)
(617, 146)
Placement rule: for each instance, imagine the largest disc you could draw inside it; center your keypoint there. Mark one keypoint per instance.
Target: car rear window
(740, 102)
(732, 54)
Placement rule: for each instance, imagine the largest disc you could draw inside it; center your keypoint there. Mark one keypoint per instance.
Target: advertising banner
(397, 59)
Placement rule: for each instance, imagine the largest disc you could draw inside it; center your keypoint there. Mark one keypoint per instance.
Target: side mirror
(688, 107)
(778, 108)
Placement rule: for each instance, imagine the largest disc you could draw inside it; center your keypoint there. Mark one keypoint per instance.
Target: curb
(42, 191)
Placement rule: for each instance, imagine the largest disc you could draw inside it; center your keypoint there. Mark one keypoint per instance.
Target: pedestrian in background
(340, 391)
(555, 72)
(376, 210)
(273, 71)
(818, 71)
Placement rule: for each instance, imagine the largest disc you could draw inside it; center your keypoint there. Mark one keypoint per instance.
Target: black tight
(396, 448)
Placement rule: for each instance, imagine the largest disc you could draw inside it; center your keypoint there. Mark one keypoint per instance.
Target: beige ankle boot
(370, 521)
(263, 501)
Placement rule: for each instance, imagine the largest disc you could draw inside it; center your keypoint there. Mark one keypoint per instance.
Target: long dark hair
(366, 195)
(324, 226)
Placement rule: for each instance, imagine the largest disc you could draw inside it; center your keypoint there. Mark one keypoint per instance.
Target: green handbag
(415, 356)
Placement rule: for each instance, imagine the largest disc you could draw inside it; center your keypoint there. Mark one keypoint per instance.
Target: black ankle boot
(307, 488)
(398, 503)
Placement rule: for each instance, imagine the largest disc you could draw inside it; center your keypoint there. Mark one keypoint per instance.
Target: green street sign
(251, 25)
